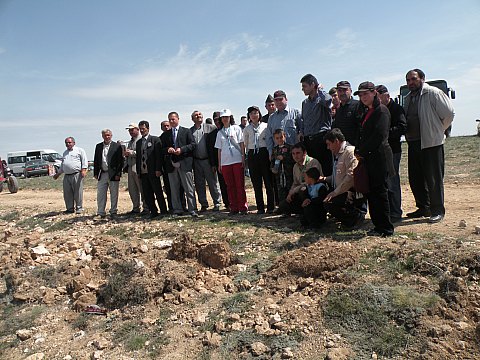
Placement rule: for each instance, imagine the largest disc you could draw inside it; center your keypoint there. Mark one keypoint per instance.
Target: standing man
(149, 164)
(429, 113)
(335, 101)
(398, 126)
(107, 169)
(243, 122)
(178, 146)
(284, 118)
(270, 106)
(347, 118)
(316, 121)
(202, 169)
(74, 166)
(134, 183)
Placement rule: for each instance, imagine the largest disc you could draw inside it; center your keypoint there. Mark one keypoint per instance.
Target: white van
(16, 160)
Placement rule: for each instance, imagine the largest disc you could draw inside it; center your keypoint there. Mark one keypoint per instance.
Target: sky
(73, 68)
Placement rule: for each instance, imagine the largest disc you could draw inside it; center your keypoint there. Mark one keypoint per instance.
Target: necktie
(174, 132)
(144, 155)
(257, 136)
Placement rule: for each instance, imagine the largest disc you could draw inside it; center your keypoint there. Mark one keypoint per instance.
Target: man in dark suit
(178, 145)
(107, 169)
(149, 165)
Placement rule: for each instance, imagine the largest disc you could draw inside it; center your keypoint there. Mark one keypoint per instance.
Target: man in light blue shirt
(285, 118)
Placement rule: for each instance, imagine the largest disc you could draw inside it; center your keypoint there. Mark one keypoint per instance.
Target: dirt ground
(272, 286)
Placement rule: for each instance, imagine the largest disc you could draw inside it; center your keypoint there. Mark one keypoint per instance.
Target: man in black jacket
(398, 126)
(149, 164)
(107, 169)
(178, 145)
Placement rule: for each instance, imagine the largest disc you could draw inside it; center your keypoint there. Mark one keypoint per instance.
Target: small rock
(100, 343)
(212, 339)
(40, 250)
(245, 285)
(462, 224)
(143, 248)
(258, 348)
(477, 229)
(37, 356)
(374, 355)
(287, 353)
(39, 340)
(274, 319)
(162, 244)
(463, 270)
(338, 354)
(139, 264)
(24, 334)
(39, 230)
(234, 317)
(199, 319)
(229, 234)
(96, 355)
(241, 267)
(67, 357)
(78, 335)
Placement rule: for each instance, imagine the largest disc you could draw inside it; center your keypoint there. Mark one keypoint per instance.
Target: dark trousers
(426, 169)
(293, 207)
(394, 190)
(379, 207)
(152, 188)
(223, 190)
(314, 214)
(317, 148)
(344, 210)
(277, 196)
(259, 166)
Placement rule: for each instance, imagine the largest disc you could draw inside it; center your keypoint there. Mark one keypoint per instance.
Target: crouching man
(342, 201)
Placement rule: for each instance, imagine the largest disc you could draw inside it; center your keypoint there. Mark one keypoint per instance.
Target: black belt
(201, 158)
(311, 137)
(75, 173)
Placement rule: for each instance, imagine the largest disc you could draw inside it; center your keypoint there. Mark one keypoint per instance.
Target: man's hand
(117, 178)
(83, 173)
(289, 197)
(214, 169)
(280, 157)
(306, 202)
(219, 169)
(171, 150)
(177, 151)
(329, 197)
(55, 177)
(158, 173)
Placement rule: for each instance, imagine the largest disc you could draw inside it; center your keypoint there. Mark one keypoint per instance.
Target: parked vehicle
(37, 167)
(17, 159)
(10, 180)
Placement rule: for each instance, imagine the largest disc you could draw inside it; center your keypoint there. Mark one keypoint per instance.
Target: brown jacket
(346, 162)
(299, 170)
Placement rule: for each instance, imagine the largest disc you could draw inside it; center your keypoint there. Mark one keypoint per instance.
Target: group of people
(306, 160)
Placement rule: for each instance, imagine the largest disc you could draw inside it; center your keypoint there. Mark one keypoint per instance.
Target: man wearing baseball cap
(134, 183)
(285, 118)
(347, 118)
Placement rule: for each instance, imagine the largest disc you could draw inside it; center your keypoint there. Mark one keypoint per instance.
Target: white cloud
(345, 40)
(189, 72)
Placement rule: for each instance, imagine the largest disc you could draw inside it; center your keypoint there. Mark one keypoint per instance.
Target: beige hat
(132, 126)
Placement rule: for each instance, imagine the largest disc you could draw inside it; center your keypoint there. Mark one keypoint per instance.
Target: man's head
(334, 94)
(280, 99)
(309, 85)
(197, 118)
(334, 139)
(133, 130)
(383, 94)
(344, 90)
(299, 153)
(243, 121)
(216, 119)
(270, 104)
(165, 125)
(69, 143)
(144, 127)
(415, 79)
(173, 119)
(107, 136)
(279, 137)
(312, 175)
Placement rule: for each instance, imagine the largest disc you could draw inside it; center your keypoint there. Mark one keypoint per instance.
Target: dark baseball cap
(344, 84)
(279, 94)
(365, 86)
(381, 89)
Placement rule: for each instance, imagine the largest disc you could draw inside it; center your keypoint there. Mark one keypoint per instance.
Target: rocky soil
(235, 288)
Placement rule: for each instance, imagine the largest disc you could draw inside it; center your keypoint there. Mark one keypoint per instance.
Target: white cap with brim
(225, 112)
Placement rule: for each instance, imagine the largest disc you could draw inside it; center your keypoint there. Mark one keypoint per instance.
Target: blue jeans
(394, 191)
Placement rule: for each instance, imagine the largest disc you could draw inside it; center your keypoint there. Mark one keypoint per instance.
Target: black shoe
(260, 212)
(395, 219)
(435, 219)
(203, 209)
(154, 215)
(419, 213)
(375, 232)
(68, 211)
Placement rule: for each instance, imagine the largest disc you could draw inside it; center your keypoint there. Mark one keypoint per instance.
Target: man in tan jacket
(342, 201)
